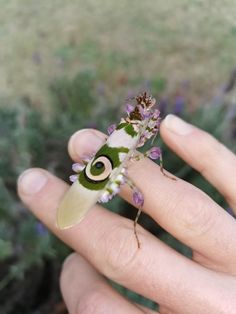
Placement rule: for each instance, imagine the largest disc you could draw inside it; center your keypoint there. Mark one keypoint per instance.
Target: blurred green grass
(119, 40)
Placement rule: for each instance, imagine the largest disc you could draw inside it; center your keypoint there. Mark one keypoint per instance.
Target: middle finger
(187, 213)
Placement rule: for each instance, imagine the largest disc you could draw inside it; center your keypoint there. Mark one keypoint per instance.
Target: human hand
(106, 244)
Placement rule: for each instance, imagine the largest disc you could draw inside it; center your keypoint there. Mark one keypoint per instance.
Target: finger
(204, 153)
(107, 242)
(180, 208)
(86, 291)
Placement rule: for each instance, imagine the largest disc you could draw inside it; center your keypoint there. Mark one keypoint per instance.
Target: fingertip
(31, 182)
(41, 193)
(176, 125)
(85, 142)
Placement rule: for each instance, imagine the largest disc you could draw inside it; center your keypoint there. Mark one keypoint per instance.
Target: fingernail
(32, 181)
(85, 142)
(177, 125)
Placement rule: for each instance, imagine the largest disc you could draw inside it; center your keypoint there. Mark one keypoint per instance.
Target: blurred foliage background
(66, 65)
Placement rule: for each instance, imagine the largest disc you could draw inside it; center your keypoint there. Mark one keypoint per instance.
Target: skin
(105, 244)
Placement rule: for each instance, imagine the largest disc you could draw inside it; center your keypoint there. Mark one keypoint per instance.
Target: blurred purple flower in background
(231, 82)
(230, 211)
(100, 89)
(163, 106)
(218, 99)
(231, 120)
(36, 58)
(40, 229)
(179, 105)
(91, 125)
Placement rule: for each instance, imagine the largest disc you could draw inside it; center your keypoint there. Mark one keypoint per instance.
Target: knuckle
(120, 249)
(91, 303)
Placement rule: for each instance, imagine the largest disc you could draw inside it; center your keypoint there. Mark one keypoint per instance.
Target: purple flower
(129, 108)
(111, 129)
(138, 198)
(154, 153)
(142, 140)
(144, 113)
(77, 167)
(73, 177)
(155, 114)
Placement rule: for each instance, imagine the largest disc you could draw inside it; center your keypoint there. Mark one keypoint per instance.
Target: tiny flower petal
(154, 153)
(73, 177)
(111, 129)
(147, 114)
(141, 110)
(153, 101)
(142, 141)
(120, 179)
(105, 197)
(77, 167)
(129, 108)
(156, 114)
(123, 171)
(138, 198)
(152, 124)
(115, 187)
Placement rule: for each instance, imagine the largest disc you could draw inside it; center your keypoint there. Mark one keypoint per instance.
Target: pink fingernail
(177, 125)
(32, 181)
(85, 142)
